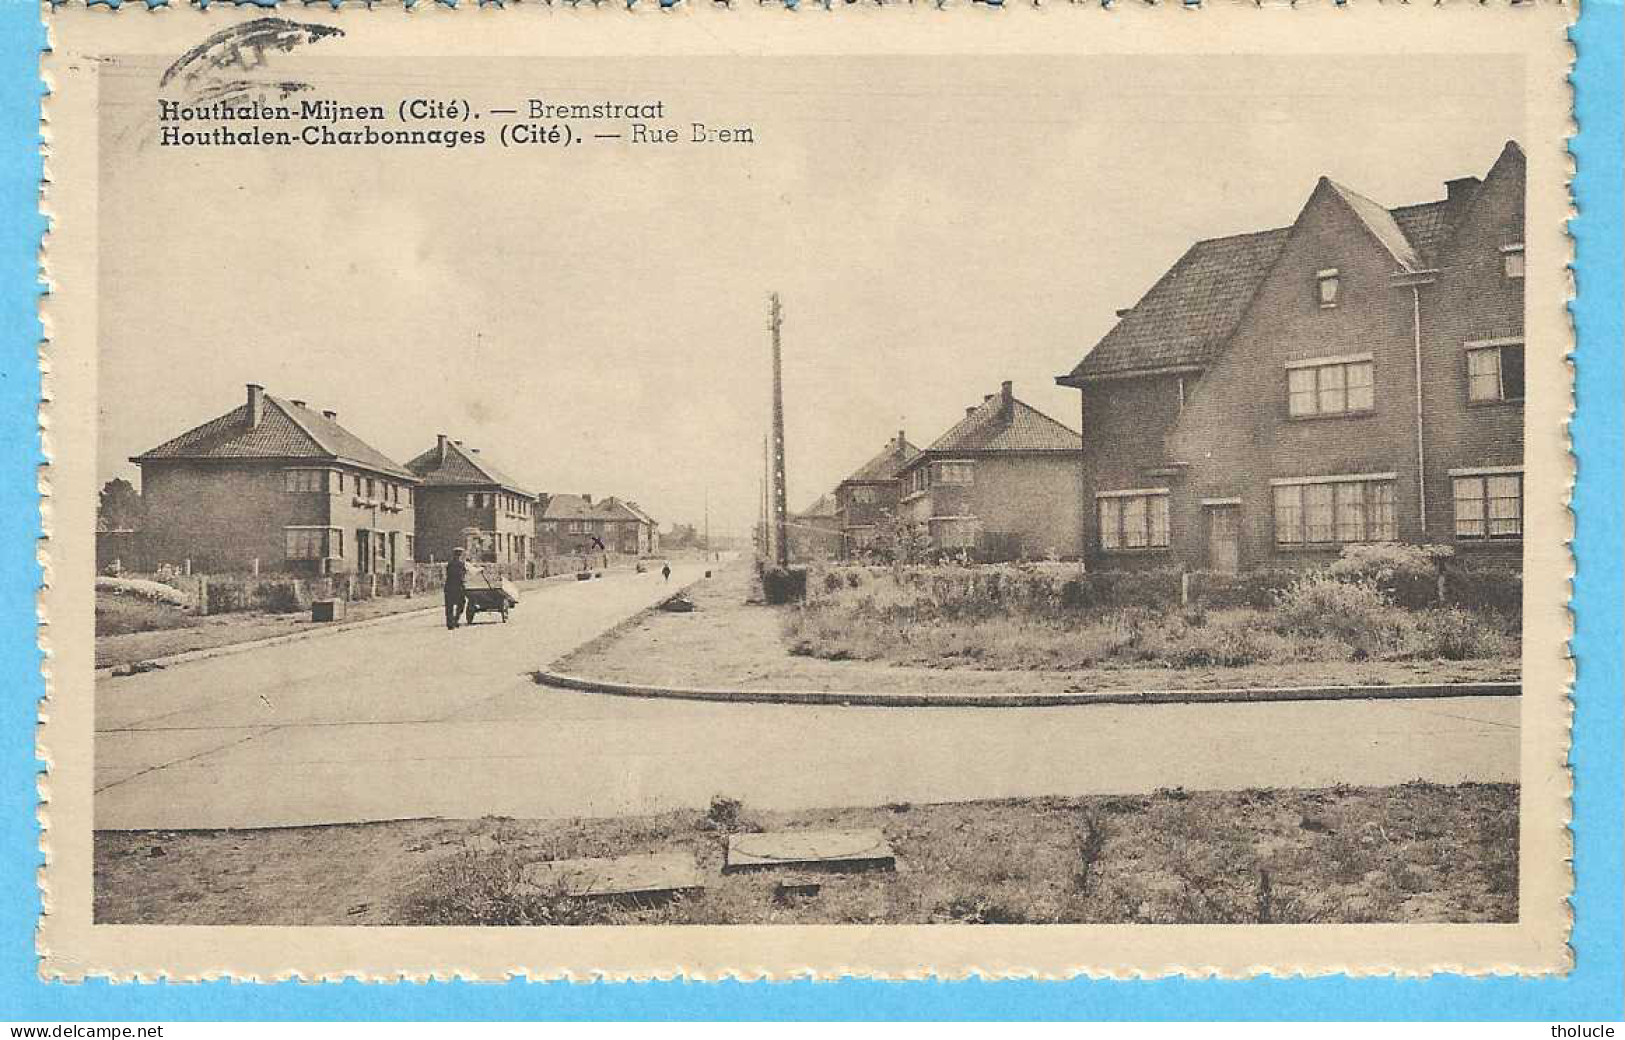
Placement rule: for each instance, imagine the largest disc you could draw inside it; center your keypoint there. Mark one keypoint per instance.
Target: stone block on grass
(654, 875)
(805, 851)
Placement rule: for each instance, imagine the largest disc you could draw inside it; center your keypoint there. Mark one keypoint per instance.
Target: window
(1339, 387)
(1489, 505)
(304, 480)
(1512, 260)
(1133, 519)
(1495, 371)
(1327, 284)
(337, 482)
(311, 543)
(1335, 511)
(956, 473)
(411, 550)
(919, 480)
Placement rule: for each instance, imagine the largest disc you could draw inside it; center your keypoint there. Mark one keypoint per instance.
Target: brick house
(815, 533)
(1004, 479)
(275, 484)
(568, 525)
(626, 528)
(1355, 377)
(871, 493)
(467, 503)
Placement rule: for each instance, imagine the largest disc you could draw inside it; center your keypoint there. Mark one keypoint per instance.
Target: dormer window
(1512, 260)
(1327, 282)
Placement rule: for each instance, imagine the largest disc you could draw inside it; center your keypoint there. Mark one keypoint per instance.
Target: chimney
(901, 444)
(587, 499)
(256, 404)
(971, 410)
(1122, 312)
(328, 413)
(1007, 400)
(297, 403)
(440, 447)
(1458, 193)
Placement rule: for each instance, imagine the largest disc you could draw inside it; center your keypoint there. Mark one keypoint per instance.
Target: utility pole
(781, 544)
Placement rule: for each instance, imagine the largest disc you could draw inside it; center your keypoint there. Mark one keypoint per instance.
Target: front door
(363, 550)
(1224, 538)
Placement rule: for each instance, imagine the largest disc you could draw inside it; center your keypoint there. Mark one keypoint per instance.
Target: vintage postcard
(583, 492)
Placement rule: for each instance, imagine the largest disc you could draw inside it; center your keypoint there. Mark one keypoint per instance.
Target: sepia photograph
(647, 491)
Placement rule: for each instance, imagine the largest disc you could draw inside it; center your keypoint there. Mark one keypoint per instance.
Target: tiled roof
(989, 428)
(613, 508)
(1426, 226)
(568, 507)
(824, 507)
(886, 465)
(461, 468)
(285, 431)
(642, 514)
(1186, 317)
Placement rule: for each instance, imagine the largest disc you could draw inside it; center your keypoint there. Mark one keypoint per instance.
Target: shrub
(1407, 574)
(1356, 612)
(1486, 587)
(1455, 635)
(1258, 589)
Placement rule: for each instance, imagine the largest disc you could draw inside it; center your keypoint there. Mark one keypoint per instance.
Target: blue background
(1592, 991)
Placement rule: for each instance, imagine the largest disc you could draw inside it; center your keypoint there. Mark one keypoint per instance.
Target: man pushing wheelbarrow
(483, 595)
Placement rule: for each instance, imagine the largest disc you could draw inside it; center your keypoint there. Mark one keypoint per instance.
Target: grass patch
(120, 615)
(1409, 853)
(1008, 619)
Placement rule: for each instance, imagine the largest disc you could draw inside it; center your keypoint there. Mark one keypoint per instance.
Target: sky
(595, 319)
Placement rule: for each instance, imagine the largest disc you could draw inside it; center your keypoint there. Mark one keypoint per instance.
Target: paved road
(409, 720)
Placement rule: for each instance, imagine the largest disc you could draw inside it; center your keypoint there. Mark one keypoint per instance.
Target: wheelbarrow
(497, 598)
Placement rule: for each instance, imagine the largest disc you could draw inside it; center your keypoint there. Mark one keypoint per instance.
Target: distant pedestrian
(456, 577)
(665, 571)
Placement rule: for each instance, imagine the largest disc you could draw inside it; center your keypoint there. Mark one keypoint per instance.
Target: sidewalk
(219, 634)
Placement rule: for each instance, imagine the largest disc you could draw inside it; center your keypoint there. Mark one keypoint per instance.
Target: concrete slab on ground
(809, 850)
(654, 874)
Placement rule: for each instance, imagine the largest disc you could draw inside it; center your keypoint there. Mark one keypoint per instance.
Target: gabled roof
(285, 431)
(992, 427)
(823, 508)
(1188, 314)
(568, 507)
(462, 467)
(885, 466)
(1381, 224)
(642, 514)
(613, 508)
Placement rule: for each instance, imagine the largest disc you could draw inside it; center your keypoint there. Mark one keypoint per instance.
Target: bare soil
(1413, 853)
(727, 643)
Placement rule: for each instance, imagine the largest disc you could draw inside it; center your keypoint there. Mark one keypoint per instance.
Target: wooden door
(1224, 538)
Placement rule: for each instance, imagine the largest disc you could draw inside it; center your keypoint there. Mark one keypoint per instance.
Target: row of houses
(1356, 376)
(274, 484)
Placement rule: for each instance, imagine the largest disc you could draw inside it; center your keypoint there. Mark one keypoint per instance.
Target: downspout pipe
(1421, 450)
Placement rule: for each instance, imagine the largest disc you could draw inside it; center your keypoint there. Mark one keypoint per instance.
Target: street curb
(227, 649)
(1037, 700)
